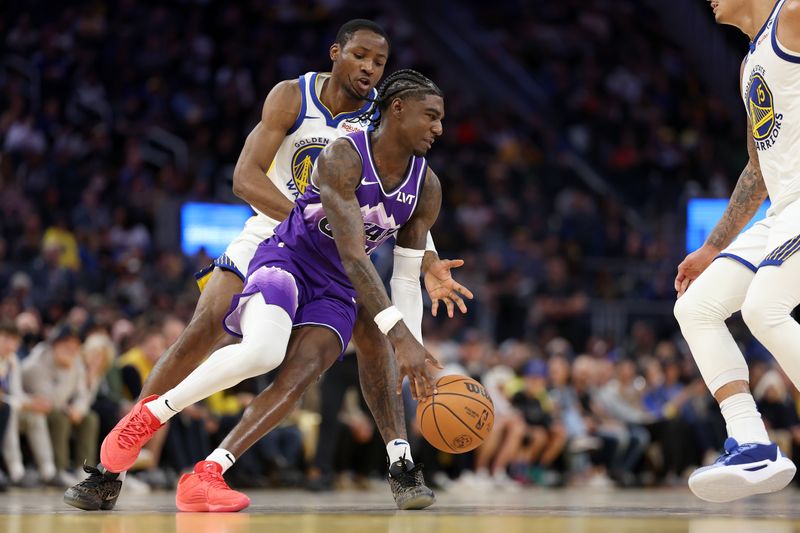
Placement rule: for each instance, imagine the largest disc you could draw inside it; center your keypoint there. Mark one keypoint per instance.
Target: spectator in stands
(55, 371)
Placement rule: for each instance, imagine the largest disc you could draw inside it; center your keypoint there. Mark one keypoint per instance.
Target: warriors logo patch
(760, 107)
(303, 163)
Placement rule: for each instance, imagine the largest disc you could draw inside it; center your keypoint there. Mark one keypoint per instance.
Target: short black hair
(7, 327)
(402, 84)
(347, 30)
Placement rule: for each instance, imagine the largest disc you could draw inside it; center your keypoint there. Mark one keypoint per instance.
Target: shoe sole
(729, 483)
(80, 504)
(77, 502)
(417, 502)
(205, 507)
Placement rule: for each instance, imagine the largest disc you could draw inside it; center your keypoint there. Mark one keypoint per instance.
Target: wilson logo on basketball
(474, 388)
(462, 441)
(482, 420)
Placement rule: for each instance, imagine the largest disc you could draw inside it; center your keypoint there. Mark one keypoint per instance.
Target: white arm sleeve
(406, 289)
(429, 246)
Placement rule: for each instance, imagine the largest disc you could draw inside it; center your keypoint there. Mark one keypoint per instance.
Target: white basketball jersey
(771, 93)
(314, 128)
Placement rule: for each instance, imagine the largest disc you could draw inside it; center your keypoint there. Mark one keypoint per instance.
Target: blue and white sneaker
(743, 470)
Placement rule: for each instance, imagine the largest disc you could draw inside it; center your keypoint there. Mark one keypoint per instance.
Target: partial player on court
(758, 272)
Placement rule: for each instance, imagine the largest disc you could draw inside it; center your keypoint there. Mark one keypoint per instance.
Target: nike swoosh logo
(398, 442)
(166, 402)
(229, 458)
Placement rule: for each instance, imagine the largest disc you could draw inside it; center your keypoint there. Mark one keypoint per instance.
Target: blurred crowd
(114, 114)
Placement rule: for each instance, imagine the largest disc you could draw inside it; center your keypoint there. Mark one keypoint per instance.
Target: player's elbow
(239, 185)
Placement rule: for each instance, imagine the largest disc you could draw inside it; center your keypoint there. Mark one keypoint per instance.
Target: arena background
(577, 132)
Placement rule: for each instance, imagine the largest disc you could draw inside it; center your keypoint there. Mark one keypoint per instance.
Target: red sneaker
(205, 491)
(121, 446)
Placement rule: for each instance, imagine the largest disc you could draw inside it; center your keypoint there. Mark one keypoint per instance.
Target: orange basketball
(458, 417)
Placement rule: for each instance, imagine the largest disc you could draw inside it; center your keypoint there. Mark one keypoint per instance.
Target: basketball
(458, 417)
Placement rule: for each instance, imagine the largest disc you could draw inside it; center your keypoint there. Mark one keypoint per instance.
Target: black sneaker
(408, 485)
(97, 492)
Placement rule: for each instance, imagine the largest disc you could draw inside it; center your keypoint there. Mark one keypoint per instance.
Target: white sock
(743, 419)
(398, 449)
(161, 409)
(223, 458)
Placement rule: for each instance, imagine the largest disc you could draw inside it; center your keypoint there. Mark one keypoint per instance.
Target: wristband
(387, 319)
(429, 246)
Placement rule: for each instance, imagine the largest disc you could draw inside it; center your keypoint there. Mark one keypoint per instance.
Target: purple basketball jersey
(299, 268)
(307, 233)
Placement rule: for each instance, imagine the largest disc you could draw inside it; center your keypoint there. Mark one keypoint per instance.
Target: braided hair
(401, 84)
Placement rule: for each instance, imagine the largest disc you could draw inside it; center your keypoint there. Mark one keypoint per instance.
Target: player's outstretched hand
(413, 360)
(441, 286)
(694, 265)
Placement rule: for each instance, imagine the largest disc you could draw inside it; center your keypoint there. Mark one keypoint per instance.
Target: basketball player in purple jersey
(299, 299)
(301, 112)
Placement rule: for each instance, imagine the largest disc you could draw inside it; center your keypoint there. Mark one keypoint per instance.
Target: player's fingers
(449, 303)
(454, 263)
(432, 360)
(399, 388)
(683, 286)
(462, 289)
(427, 383)
(459, 302)
(419, 389)
(434, 306)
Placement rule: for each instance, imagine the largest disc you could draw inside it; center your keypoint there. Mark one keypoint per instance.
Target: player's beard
(350, 89)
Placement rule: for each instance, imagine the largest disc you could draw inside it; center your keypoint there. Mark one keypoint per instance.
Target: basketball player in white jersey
(757, 272)
(299, 118)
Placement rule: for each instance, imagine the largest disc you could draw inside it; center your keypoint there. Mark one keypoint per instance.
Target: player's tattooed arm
(337, 173)
(748, 195)
(249, 177)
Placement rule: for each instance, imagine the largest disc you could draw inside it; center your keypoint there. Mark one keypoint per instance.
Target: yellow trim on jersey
(203, 280)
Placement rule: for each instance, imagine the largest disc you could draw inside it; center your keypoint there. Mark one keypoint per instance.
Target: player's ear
(397, 107)
(335, 51)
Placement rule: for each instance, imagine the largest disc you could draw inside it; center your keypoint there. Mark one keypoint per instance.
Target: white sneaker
(134, 485)
(503, 482)
(743, 470)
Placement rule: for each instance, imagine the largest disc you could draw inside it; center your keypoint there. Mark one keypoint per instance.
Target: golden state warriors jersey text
(314, 128)
(771, 93)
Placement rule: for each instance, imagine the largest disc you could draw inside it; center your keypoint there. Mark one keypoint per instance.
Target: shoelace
(739, 448)
(406, 478)
(214, 479)
(95, 477)
(131, 434)
(96, 480)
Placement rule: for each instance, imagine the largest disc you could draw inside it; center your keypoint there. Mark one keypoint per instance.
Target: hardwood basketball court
(528, 511)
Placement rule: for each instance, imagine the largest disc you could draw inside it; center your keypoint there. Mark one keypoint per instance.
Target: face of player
(420, 121)
(726, 11)
(359, 64)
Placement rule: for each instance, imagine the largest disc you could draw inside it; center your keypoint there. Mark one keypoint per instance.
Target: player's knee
(260, 358)
(762, 315)
(694, 307)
